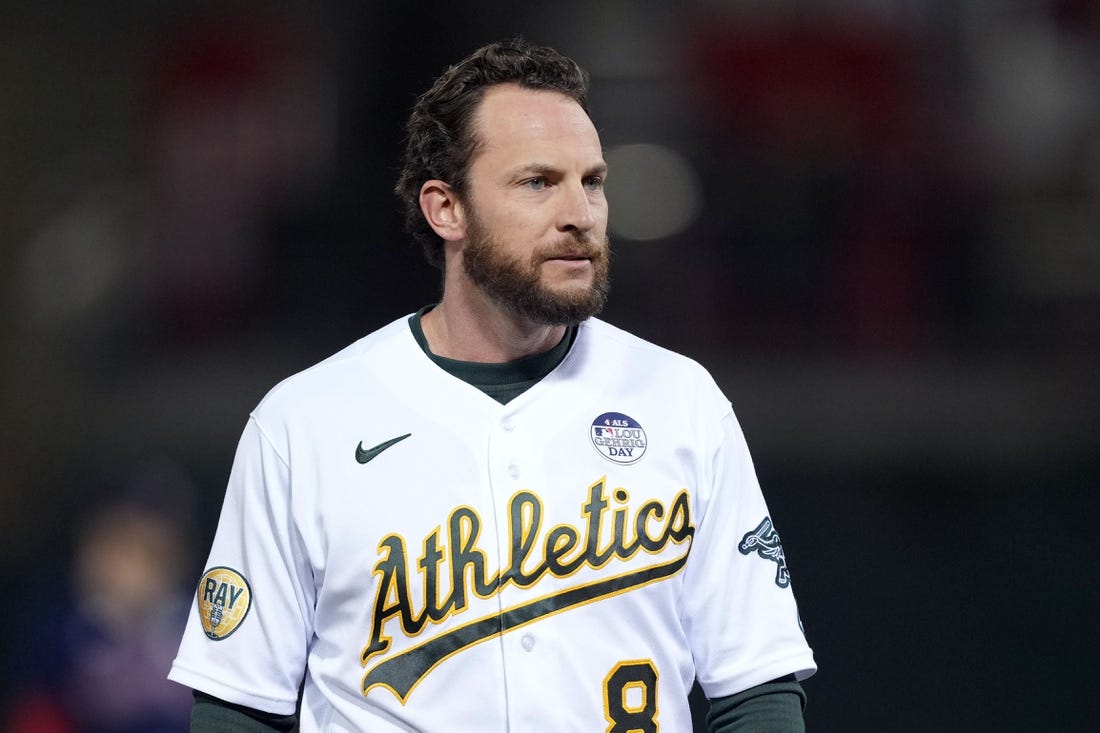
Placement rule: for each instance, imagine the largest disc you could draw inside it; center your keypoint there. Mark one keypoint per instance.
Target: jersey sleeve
(248, 633)
(740, 613)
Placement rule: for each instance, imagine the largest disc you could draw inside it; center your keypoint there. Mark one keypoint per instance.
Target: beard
(517, 285)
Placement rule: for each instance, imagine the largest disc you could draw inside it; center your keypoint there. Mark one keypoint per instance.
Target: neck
(467, 326)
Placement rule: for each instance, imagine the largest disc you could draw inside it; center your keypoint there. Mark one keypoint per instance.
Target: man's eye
(593, 183)
(535, 184)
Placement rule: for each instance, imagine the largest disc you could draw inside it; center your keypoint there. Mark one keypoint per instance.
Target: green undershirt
(503, 382)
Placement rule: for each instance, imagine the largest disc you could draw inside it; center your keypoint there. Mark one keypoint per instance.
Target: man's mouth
(576, 252)
(572, 255)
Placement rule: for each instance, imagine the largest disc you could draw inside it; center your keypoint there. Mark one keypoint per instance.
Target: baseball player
(498, 513)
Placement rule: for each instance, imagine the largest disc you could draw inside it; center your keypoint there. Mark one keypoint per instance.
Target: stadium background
(877, 223)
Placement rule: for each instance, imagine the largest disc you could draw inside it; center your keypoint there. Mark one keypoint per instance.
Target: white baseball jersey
(432, 560)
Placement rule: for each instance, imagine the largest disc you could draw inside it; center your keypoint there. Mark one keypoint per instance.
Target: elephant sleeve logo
(764, 541)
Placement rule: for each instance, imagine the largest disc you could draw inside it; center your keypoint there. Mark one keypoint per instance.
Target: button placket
(508, 425)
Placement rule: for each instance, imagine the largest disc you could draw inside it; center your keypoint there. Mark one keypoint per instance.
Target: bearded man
(499, 513)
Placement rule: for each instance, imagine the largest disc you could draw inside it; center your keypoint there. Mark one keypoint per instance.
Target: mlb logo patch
(618, 438)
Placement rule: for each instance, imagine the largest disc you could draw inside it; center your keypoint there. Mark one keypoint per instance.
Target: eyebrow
(545, 169)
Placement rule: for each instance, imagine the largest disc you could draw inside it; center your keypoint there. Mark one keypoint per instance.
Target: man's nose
(576, 212)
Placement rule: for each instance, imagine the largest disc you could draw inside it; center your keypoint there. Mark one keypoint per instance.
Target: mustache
(579, 245)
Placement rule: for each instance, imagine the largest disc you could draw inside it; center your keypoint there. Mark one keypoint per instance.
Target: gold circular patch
(224, 598)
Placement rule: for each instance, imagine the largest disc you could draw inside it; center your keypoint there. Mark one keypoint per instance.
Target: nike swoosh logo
(363, 456)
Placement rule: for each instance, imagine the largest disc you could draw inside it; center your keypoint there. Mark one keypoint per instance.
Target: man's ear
(443, 210)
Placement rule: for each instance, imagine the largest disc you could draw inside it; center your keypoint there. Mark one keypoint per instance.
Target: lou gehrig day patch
(224, 598)
(618, 437)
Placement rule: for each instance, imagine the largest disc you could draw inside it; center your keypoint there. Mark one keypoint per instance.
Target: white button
(513, 471)
(507, 424)
(528, 642)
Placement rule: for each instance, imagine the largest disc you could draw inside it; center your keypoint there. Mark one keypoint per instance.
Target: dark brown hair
(440, 140)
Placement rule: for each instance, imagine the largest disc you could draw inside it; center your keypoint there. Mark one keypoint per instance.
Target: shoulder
(599, 339)
(344, 371)
(640, 365)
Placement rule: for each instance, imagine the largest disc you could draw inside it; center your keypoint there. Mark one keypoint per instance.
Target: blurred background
(878, 224)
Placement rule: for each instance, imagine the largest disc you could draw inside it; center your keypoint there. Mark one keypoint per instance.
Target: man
(499, 513)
